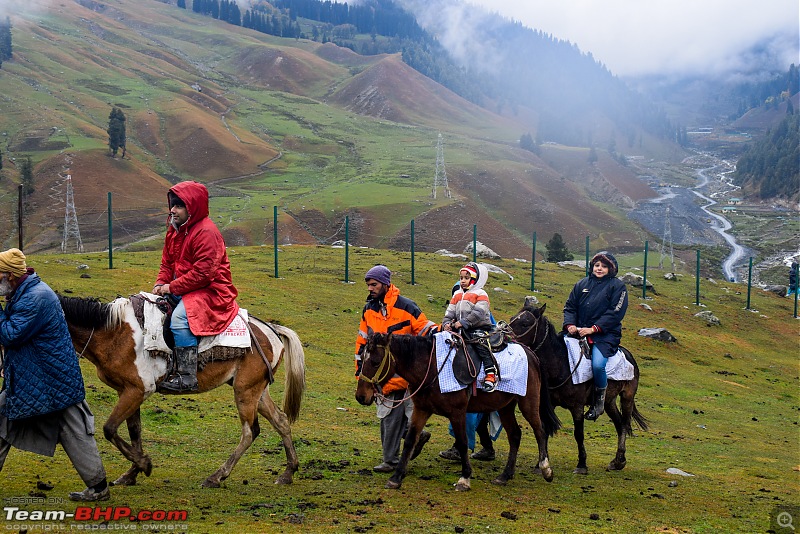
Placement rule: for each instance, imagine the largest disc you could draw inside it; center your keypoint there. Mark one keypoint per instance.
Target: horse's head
(377, 367)
(525, 324)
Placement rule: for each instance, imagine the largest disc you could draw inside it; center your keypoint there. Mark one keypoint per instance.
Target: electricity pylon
(440, 179)
(71, 229)
(666, 241)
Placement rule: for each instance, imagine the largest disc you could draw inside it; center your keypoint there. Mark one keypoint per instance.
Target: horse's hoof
(284, 479)
(547, 474)
(616, 466)
(208, 483)
(148, 467)
(124, 481)
(390, 484)
(580, 471)
(500, 481)
(537, 471)
(462, 487)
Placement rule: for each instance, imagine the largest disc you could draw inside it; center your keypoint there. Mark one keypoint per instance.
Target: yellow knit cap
(13, 261)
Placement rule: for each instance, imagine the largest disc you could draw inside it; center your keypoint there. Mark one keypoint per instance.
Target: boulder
(708, 317)
(781, 291)
(660, 334)
(482, 251)
(634, 280)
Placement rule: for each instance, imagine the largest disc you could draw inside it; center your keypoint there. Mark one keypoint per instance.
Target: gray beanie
(380, 273)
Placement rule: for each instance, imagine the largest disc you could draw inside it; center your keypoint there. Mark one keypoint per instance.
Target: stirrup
(178, 383)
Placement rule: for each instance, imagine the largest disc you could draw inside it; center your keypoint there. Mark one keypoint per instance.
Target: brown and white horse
(109, 336)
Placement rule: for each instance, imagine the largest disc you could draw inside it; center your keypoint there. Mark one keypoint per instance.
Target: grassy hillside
(722, 403)
(268, 122)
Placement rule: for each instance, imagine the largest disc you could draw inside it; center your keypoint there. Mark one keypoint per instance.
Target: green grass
(722, 402)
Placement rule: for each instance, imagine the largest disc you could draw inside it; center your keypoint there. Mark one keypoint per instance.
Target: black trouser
(477, 342)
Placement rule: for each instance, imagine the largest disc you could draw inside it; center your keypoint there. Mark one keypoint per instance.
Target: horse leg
(246, 397)
(529, 406)
(415, 426)
(578, 422)
(127, 409)
(459, 422)
(622, 422)
(134, 423)
(279, 421)
(514, 435)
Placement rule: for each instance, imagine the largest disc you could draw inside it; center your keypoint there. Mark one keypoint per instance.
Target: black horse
(532, 328)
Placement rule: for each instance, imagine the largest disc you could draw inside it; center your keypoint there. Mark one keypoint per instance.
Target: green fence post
(587, 255)
(796, 287)
(275, 236)
(533, 262)
(110, 236)
(749, 281)
(644, 277)
(347, 249)
(475, 242)
(413, 282)
(697, 280)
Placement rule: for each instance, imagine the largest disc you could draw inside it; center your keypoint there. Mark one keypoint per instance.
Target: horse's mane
(413, 344)
(552, 340)
(89, 312)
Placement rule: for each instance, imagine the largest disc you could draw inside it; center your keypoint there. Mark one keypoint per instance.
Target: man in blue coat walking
(42, 401)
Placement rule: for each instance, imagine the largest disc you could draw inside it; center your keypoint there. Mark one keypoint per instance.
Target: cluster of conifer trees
(771, 166)
(5, 40)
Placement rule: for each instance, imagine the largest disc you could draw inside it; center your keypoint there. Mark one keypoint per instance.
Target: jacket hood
(483, 277)
(608, 259)
(195, 196)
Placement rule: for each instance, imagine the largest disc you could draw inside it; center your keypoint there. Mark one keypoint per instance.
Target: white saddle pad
(617, 367)
(512, 360)
(236, 335)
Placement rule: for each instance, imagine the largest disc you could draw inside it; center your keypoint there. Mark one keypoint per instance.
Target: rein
(382, 373)
(544, 338)
(87, 343)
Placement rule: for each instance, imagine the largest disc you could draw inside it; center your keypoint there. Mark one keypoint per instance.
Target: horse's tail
(641, 420)
(295, 381)
(547, 412)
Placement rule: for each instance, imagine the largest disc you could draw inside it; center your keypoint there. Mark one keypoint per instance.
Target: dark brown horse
(413, 358)
(533, 329)
(109, 336)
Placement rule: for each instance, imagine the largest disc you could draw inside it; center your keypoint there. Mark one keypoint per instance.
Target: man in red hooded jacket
(194, 268)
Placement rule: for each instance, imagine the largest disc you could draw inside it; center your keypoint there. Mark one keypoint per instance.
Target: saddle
(466, 361)
(167, 305)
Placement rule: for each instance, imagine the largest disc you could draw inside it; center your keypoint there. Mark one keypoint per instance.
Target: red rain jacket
(195, 265)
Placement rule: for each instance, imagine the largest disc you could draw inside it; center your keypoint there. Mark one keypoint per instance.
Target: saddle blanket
(617, 368)
(512, 360)
(236, 335)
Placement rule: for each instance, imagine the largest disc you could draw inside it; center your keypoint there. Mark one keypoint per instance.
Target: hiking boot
(451, 454)
(90, 495)
(599, 404)
(489, 382)
(483, 454)
(184, 380)
(385, 467)
(424, 436)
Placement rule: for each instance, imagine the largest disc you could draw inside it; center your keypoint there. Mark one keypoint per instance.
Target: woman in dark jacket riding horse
(594, 310)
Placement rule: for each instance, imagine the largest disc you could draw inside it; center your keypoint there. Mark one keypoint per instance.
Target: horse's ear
(541, 310)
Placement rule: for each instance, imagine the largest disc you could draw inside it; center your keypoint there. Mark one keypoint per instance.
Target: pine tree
(116, 132)
(26, 175)
(182, 4)
(557, 249)
(5, 40)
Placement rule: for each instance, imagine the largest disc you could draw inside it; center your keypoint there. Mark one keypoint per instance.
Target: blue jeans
(598, 367)
(180, 327)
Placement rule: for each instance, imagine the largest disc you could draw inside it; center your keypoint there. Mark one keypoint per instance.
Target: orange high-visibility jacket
(395, 315)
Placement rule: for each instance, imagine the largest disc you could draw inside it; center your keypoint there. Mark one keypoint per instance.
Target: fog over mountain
(726, 39)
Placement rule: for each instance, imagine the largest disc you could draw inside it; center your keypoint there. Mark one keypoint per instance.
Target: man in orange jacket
(386, 311)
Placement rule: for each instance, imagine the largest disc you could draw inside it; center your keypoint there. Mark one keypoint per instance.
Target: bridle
(382, 373)
(535, 325)
(87, 343)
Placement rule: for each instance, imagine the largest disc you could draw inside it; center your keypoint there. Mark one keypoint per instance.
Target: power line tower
(71, 229)
(440, 179)
(666, 241)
